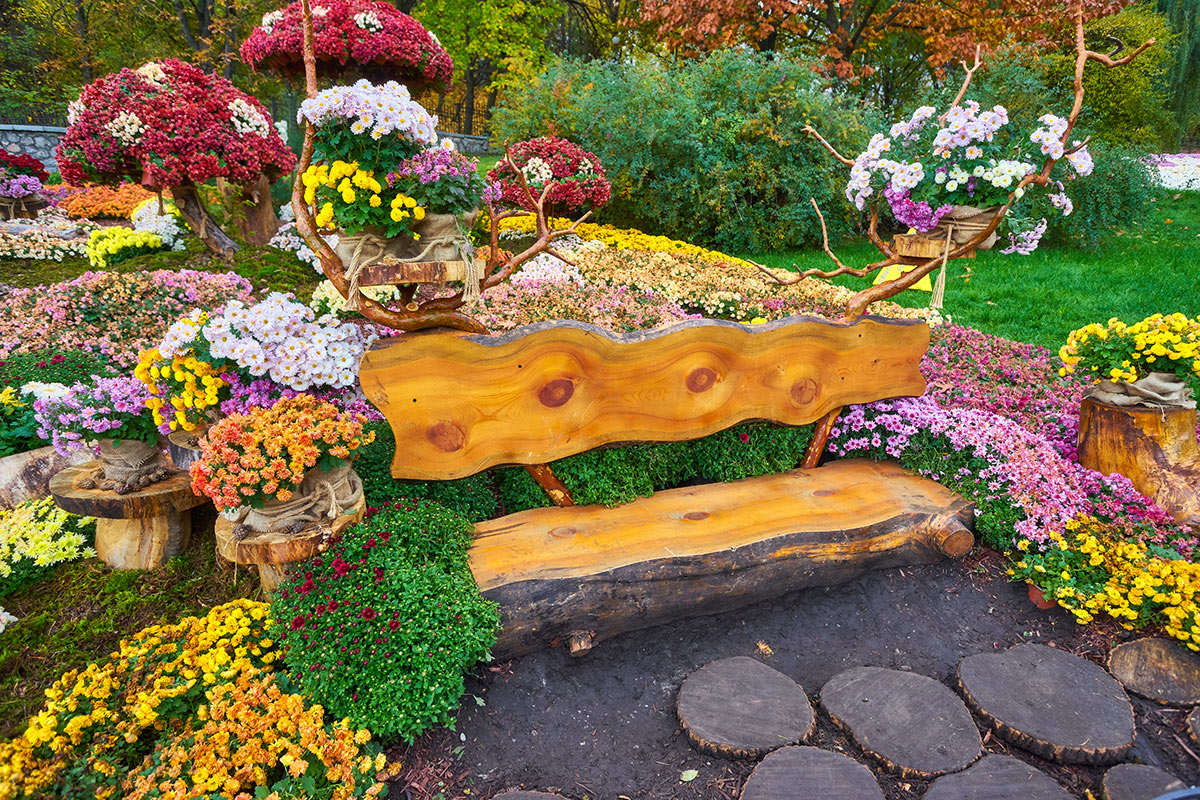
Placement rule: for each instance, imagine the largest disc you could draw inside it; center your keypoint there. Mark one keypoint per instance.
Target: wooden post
(555, 489)
(1155, 448)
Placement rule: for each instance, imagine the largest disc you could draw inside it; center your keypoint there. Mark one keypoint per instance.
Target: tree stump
(26, 476)
(810, 772)
(913, 725)
(997, 778)
(1138, 782)
(1155, 448)
(1157, 669)
(274, 551)
(1051, 703)
(138, 530)
(184, 448)
(741, 708)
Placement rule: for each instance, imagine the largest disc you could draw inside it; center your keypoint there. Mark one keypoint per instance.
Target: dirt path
(604, 726)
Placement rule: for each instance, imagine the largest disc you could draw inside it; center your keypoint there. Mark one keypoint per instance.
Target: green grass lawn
(1040, 298)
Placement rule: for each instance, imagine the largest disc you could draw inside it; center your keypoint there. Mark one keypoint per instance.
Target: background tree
(1183, 78)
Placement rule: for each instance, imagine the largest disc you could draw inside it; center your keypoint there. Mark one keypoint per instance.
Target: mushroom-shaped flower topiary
(352, 39)
(170, 125)
(577, 176)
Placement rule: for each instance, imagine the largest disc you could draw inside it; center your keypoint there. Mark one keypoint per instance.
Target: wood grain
(172, 494)
(914, 726)
(997, 778)
(1138, 782)
(391, 272)
(796, 773)
(281, 547)
(459, 404)
(741, 708)
(145, 542)
(1156, 448)
(1157, 669)
(705, 549)
(1056, 705)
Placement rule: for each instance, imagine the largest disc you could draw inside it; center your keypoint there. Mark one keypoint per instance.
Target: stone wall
(475, 145)
(38, 141)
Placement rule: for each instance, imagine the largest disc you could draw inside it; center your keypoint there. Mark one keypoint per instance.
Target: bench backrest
(459, 404)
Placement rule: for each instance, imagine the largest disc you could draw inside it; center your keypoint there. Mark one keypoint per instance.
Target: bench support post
(816, 447)
(554, 488)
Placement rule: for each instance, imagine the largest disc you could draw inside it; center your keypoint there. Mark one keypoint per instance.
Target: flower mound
(168, 123)
(189, 710)
(34, 536)
(577, 175)
(109, 246)
(23, 164)
(249, 459)
(370, 33)
(95, 202)
(383, 624)
(117, 315)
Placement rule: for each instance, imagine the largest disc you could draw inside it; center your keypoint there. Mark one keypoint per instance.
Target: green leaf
(688, 775)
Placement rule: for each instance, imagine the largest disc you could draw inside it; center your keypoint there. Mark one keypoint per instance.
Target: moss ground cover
(1149, 268)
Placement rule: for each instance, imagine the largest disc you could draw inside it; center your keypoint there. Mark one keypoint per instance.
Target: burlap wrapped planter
(1156, 390)
(321, 497)
(128, 464)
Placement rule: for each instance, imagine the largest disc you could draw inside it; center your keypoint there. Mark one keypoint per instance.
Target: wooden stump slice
(1157, 669)
(790, 773)
(914, 726)
(172, 494)
(741, 708)
(145, 543)
(274, 551)
(1051, 703)
(997, 778)
(184, 448)
(1138, 782)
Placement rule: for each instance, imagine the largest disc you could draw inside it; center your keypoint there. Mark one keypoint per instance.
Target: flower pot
(22, 207)
(1039, 599)
(130, 464)
(443, 237)
(1156, 390)
(321, 497)
(964, 223)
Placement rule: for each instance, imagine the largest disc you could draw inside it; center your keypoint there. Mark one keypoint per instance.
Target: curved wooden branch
(811, 131)
(962, 92)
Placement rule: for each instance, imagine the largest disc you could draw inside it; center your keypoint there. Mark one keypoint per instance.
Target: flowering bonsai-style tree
(169, 125)
(353, 39)
(577, 176)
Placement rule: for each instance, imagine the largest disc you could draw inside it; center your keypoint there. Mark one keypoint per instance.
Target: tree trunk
(258, 222)
(193, 210)
(469, 103)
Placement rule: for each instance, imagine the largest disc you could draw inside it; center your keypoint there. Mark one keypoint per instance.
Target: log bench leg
(144, 543)
(270, 576)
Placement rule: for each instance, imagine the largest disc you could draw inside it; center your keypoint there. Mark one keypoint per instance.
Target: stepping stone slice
(997, 778)
(1157, 669)
(915, 726)
(1138, 782)
(791, 773)
(741, 708)
(1051, 703)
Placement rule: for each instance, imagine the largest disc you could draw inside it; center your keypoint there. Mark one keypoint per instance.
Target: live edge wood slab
(138, 530)
(579, 575)
(461, 403)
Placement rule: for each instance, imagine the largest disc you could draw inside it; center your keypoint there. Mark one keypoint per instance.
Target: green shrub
(710, 150)
(472, 497)
(1116, 195)
(382, 626)
(618, 475)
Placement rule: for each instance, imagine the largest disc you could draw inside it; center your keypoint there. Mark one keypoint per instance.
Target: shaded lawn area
(1154, 267)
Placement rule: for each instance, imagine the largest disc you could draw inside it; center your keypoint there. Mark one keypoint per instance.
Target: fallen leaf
(688, 775)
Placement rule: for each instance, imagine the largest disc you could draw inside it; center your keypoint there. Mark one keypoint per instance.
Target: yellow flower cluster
(106, 244)
(10, 399)
(42, 532)
(1120, 352)
(1090, 570)
(184, 386)
(347, 180)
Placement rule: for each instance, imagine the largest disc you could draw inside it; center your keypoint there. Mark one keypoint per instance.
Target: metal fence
(34, 117)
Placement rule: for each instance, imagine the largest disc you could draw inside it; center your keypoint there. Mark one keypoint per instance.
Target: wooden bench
(461, 403)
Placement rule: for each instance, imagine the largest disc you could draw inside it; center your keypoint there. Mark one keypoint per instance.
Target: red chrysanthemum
(372, 35)
(168, 123)
(578, 176)
(24, 164)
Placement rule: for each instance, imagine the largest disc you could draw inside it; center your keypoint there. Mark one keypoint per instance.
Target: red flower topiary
(23, 164)
(371, 35)
(577, 174)
(165, 124)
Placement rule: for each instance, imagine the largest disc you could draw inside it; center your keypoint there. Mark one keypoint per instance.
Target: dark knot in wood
(446, 436)
(556, 392)
(804, 391)
(695, 516)
(701, 379)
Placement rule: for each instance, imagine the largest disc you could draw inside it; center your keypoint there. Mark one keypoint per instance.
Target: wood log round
(174, 494)
(997, 778)
(273, 551)
(25, 476)
(914, 726)
(1138, 782)
(1156, 448)
(741, 708)
(1157, 669)
(184, 447)
(809, 772)
(1051, 703)
(143, 542)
